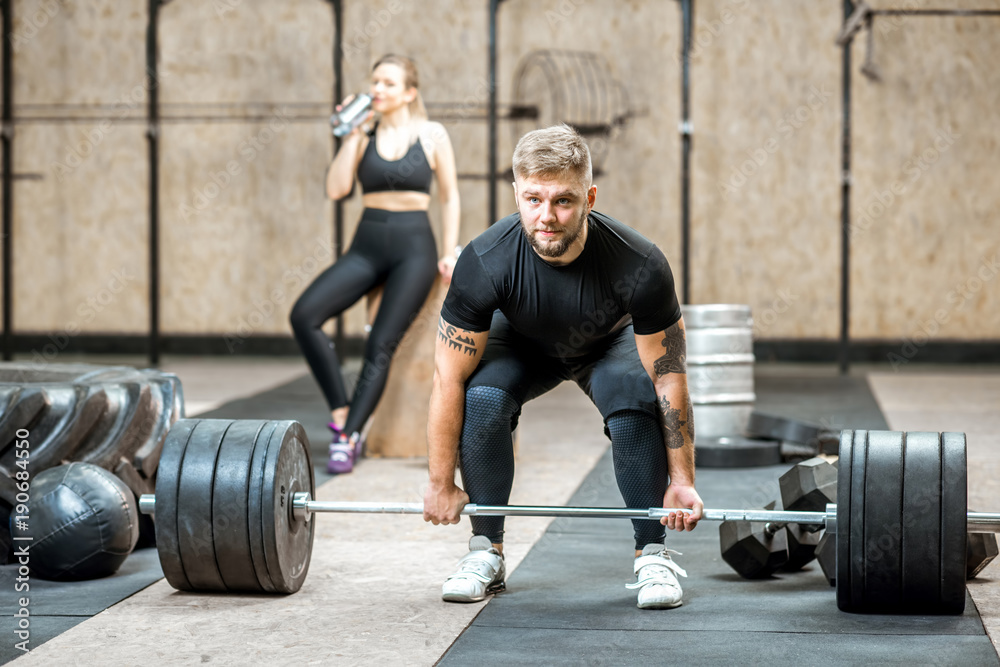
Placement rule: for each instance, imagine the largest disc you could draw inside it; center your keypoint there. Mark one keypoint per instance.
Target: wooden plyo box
(399, 423)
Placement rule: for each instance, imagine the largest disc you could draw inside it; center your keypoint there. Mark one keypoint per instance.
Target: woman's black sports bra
(410, 173)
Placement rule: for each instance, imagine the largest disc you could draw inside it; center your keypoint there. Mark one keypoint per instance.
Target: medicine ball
(83, 522)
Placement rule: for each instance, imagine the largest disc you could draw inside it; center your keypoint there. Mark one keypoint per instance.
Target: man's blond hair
(552, 151)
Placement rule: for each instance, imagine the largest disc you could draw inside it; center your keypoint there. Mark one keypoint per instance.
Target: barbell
(234, 502)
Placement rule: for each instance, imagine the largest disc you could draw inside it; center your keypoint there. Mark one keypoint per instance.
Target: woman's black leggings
(393, 249)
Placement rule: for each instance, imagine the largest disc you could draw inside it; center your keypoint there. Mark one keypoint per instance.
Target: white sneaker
(480, 572)
(656, 578)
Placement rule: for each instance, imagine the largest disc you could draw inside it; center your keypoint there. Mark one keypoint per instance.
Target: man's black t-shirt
(569, 311)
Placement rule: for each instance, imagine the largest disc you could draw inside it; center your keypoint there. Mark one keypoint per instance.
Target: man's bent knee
(487, 404)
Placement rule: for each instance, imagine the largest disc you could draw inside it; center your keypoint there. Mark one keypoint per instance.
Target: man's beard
(555, 249)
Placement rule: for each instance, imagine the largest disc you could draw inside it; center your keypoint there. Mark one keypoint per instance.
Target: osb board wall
(81, 244)
(926, 240)
(243, 51)
(80, 237)
(639, 41)
(71, 52)
(765, 188)
(771, 240)
(245, 229)
(245, 220)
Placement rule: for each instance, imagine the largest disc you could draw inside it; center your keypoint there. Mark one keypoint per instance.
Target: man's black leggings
(487, 460)
(393, 249)
(512, 372)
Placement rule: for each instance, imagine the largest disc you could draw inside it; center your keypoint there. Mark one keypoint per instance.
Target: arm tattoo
(672, 424)
(689, 425)
(674, 353)
(455, 338)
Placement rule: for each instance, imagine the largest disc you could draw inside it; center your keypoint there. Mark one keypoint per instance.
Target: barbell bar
(234, 501)
(303, 506)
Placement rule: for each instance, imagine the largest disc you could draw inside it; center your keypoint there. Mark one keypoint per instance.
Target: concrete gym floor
(372, 592)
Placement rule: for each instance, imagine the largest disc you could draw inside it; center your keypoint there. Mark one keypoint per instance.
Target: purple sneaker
(359, 445)
(341, 457)
(342, 452)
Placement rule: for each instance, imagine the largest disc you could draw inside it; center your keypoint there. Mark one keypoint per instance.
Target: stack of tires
(115, 417)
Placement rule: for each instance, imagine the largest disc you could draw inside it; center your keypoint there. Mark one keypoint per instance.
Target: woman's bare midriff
(397, 201)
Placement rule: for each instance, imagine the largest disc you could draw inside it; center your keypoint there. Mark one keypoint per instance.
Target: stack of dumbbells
(757, 549)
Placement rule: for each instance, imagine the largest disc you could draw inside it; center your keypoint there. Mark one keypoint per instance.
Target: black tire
(6, 540)
(116, 417)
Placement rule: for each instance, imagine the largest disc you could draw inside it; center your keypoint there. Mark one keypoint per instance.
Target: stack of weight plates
(720, 364)
(224, 518)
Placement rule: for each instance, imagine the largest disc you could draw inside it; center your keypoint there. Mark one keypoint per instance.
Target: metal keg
(720, 368)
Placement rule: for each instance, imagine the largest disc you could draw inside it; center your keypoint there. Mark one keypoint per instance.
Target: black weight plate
(781, 428)
(850, 518)
(254, 511)
(230, 529)
(954, 519)
(841, 546)
(856, 522)
(287, 542)
(736, 452)
(921, 583)
(194, 505)
(883, 518)
(166, 504)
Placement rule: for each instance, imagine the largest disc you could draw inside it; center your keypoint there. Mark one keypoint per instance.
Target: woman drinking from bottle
(393, 248)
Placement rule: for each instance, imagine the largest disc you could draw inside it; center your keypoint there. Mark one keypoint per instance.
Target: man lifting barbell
(560, 292)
